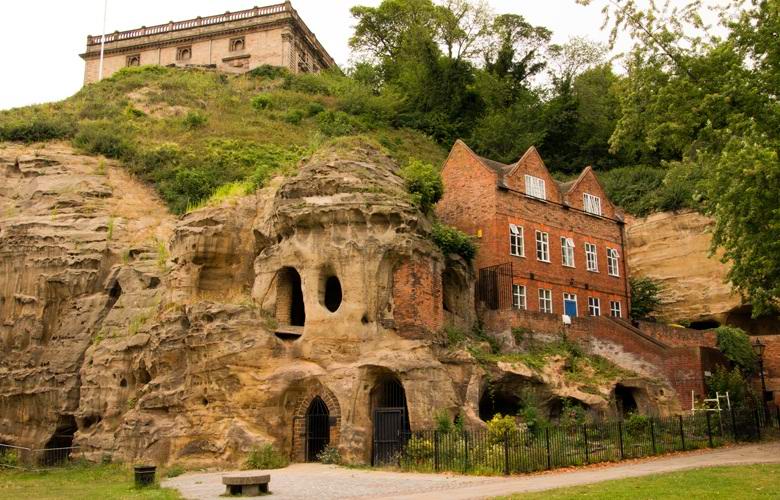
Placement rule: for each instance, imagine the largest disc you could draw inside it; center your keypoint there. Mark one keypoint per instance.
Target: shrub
(104, 137)
(261, 101)
(451, 240)
(444, 422)
(268, 71)
(308, 83)
(500, 425)
(731, 381)
(174, 471)
(637, 426)
(293, 116)
(314, 108)
(645, 297)
(337, 123)
(266, 457)
(424, 182)
(195, 119)
(40, 128)
(329, 455)
(418, 450)
(9, 458)
(734, 343)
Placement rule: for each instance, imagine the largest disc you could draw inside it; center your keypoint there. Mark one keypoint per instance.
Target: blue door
(570, 304)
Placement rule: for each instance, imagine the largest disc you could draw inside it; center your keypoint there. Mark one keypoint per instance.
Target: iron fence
(19, 457)
(549, 447)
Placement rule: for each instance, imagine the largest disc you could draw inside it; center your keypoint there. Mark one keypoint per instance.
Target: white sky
(42, 38)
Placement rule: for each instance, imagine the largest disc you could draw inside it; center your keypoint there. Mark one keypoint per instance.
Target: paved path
(328, 482)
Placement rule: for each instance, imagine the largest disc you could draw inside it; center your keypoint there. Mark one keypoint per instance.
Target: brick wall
(418, 308)
(771, 364)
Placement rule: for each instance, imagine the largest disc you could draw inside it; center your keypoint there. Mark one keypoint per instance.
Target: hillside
(191, 132)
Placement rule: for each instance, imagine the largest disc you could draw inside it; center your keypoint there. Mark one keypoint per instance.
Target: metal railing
(555, 446)
(19, 457)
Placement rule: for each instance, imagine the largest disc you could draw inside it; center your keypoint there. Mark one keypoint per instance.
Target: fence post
(506, 452)
(620, 439)
(465, 451)
(585, 434)
(436, 451)
(682, 432)
(652, 435)
(709, 429)
(549, 455)
(733, 425)
(758, 423)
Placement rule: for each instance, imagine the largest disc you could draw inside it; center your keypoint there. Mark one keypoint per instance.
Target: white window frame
(591, 203)
(591, 258)
(573, 297)
(613, 267)
(567, 251)
(535, 186)
(542, 246)
(545, 300)
(594, 306)
(615, 309)
(516, 240)
(519, 296)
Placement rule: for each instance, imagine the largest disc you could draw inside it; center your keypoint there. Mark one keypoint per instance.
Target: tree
(645, 297)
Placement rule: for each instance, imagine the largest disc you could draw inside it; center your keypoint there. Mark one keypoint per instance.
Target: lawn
(742, 482)
(88, 482)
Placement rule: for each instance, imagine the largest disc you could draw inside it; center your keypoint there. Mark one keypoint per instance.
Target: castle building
(232, 42)
(544, 245)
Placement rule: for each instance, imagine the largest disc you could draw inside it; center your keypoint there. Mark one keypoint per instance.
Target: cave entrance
(625, 400)
(390, 419)
(332, 299)
(317, 428)
(60, 445)
(499, 400)
(290, 309)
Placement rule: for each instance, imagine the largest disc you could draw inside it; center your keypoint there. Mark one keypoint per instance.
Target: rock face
(674, 248)
(132, 334)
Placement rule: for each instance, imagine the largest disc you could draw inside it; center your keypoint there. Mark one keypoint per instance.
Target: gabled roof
(499, 168)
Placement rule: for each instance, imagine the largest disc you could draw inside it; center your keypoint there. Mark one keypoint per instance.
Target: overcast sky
(42, 38)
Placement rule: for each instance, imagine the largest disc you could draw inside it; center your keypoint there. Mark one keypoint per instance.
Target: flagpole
(103, 40)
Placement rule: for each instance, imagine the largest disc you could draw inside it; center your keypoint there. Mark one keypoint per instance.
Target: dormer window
(591, 203)
(184, 53)
(534, 186)
(236, 44)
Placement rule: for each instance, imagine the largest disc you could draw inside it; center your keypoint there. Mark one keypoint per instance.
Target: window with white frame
(612, 262)
(591, 258)
(534, 186)
(542, 246)
(615, 309)
(516, 244)
(545, 300)
(518, 296)
(594, 306)
(567, 252)
(591, 203)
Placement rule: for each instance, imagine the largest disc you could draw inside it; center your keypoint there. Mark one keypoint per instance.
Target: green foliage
(329, 455)
(16, 126)
(645, 296)
(294, 116)
(455, 335)
(262, 101)
(104, 137)
(424, 183)
(265, 457)
(8, 458)
(734, 343)
(451, 240)
(195, 119)
(268, 71)
(308, 83)
(174, 470)
(338, 123)
(733, 382)
(444, 423)
(637, 426)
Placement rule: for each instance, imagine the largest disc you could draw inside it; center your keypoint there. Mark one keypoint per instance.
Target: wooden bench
(247, 484)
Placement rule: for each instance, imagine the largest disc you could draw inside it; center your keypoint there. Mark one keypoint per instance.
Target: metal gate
(317, 428)
(494, 286)
(389, 434)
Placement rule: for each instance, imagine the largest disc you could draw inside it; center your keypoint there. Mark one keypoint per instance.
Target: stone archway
(308, 407)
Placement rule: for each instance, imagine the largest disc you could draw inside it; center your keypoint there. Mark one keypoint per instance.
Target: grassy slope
(189, 132)
(79, 483)
(742, 482)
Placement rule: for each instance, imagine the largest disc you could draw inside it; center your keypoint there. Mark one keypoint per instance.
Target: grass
(741, 482)
(79, 482)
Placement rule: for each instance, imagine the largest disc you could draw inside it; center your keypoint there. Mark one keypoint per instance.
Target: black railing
(494, 286)
(487, 451)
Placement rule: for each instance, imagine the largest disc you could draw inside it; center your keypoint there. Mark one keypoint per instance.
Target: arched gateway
(316, 423)
(317, 429)
(390, 418)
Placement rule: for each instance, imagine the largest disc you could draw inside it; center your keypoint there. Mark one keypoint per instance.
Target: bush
(9, 458)
(337, 123)
(423, 181)
(314, 108)
(499, 426)
(329, 455)
(444, 422)
(645, 297)
(174, 471)
(308, 83)
(106, 138)
(734, 343)
(293, 116)
(261, 101)
(634, 188)
(637, 426)
(42, 128)
(266, 457)
(451, 240)
(268, 71)
(731, 381)
(195, 119)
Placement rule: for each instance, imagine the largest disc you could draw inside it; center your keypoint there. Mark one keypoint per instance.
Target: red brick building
(544, 245)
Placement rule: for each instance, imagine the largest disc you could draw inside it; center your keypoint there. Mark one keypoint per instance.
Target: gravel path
(328, 482)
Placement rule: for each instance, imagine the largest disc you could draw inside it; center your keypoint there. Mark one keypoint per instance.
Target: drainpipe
(625, 269)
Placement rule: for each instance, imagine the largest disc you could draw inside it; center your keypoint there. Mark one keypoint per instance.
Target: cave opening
(625, 400)
(333, 294)
(58, 447)
(499, 400)
(290, 308)
(704, 324)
